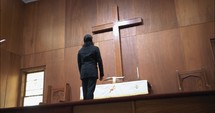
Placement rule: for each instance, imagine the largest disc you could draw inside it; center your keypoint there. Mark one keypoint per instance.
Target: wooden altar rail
(194, 102)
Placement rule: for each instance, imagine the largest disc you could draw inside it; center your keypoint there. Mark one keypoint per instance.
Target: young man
(88, 59)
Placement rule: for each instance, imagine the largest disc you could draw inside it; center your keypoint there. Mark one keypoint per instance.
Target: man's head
(88, 38)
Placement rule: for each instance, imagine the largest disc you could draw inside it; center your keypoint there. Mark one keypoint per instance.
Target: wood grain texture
(44, 28)
(175, 35)
(176, 105)
(55, 69)
(71, 71)
(107, 54)
(196, 45)
(50, 30)
(12, 24)
(195, 102)
(191, 12)
(124, 107)
(157, 15)
(29, 30)
(130, 61)
(159, 55)
(9, 74)
(79, 22)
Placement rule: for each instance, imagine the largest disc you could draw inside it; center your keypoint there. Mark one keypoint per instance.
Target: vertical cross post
(116, 26)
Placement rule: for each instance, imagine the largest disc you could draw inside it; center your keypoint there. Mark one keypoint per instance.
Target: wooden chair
(194, 80)
(56, 95)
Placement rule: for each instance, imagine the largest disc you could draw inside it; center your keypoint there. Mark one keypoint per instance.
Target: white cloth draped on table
(119, 89)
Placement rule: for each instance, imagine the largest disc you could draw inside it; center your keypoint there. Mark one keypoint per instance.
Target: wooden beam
(122, 24)
(102, 28)
(115, 27)
(130, 22)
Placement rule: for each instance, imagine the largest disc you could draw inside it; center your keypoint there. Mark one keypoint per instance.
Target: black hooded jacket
(88, 58)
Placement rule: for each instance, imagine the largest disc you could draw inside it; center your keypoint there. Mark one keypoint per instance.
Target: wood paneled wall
(10, 65)
(11, 29)
(175, 35)
(44, 34)
(12, 24)
(44, 26)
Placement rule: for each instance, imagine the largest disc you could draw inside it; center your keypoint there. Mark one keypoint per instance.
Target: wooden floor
(194, 102)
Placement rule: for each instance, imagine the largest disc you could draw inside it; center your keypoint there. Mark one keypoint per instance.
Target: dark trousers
(88, 87)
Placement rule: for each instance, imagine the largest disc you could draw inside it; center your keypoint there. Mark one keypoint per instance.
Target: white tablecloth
(119, 89)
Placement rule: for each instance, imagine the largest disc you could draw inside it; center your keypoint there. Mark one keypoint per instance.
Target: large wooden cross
(116, 26)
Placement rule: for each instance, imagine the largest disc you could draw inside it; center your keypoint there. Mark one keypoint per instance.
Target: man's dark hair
(88, 40)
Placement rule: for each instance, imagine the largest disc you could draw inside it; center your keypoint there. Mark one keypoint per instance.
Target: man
(88, 58)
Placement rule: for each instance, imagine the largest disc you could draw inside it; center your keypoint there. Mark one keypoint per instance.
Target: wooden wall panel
(191, 12)
(12, 83)
(105, 12)
(157, 15)
(3, 75)
(160, 54)
(9, 74)
(142, 9)
(195, 104)
(163, 15)
(50, 30)
(197, 48)
(30, 26)
(119, 107)
(54, 33)
(27, 61)
(55, 69)
(72, 75)
(34, 60)
(54, 72)
(130, 61)
(39, 109)
(79, 22)
(107, 54)
(12, 24)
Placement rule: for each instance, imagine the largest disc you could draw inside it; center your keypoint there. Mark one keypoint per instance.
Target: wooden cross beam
(120, 24)
(115, 27)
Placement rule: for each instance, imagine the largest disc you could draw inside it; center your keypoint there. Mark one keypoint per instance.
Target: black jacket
(88, 58)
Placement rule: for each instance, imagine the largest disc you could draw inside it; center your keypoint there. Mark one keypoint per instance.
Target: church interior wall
(175, 35)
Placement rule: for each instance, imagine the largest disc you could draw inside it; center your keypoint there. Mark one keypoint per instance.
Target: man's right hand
(101, 78)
